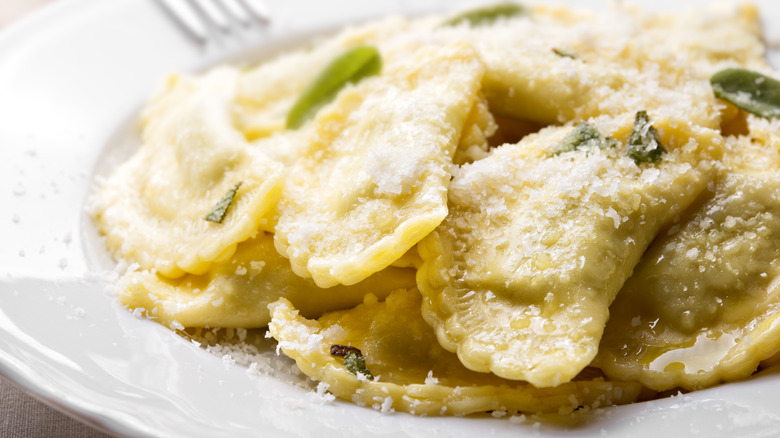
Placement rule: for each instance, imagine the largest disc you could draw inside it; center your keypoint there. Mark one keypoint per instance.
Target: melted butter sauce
(702, 356)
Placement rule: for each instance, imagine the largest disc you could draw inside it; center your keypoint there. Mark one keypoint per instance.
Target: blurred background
(10, 10)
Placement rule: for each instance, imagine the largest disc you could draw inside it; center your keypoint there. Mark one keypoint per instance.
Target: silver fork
(202, 19)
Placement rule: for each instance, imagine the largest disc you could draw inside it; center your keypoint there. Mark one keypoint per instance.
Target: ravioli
(518, 279)
(702, 306)
(556, 64)
(411, 372)
(556, 208)
(474, 142)
(152, 209)
(529, 81)
(374, 178)
(236, 293)
(266, 93)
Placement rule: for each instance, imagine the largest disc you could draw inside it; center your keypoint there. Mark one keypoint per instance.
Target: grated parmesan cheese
(449, 161)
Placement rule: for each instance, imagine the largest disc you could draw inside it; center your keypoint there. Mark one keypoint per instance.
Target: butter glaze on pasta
(151, 209)
(427, 216)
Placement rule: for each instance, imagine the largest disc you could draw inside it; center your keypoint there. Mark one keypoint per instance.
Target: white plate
(71, 81)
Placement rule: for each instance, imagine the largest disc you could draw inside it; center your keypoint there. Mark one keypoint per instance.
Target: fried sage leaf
(412, 372)
(565, 53)
(518, 278)
(644, 143)
(217, 214)
(152, 209)
(583, 136)
(392, 138)
(748, 90)
(349, 68)
(355, 363)
(487, 15)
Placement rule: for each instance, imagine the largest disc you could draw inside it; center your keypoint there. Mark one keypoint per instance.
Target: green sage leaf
(351, 67)
(219, 211)
(751, 91)
(565, 54)
(487, 15)
(356, 364)
(584, 136)
(644, 143)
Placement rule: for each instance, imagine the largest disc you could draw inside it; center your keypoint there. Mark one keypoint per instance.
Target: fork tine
(213, 14)
(200, 18)
(258, 9)
(183, 14)
(237, 11)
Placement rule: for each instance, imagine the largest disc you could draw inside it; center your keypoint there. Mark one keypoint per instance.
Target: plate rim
(12, 370)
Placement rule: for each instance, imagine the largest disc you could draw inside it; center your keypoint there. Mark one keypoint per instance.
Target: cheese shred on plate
(516, 209)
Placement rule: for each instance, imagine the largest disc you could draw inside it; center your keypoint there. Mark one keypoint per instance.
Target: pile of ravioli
(470, 220)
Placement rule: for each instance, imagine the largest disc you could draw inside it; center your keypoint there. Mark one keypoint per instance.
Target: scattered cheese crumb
(517, 419)
(322, 395)
(228, 360)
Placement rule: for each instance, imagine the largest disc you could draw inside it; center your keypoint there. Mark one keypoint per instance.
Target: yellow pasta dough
(519, 277)
(236, 293)
(556, 64)
(152, 209)
(701, 306)
(479, 127)
(266, 93)
(411, 372)
(534, 209)
(374, 178)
